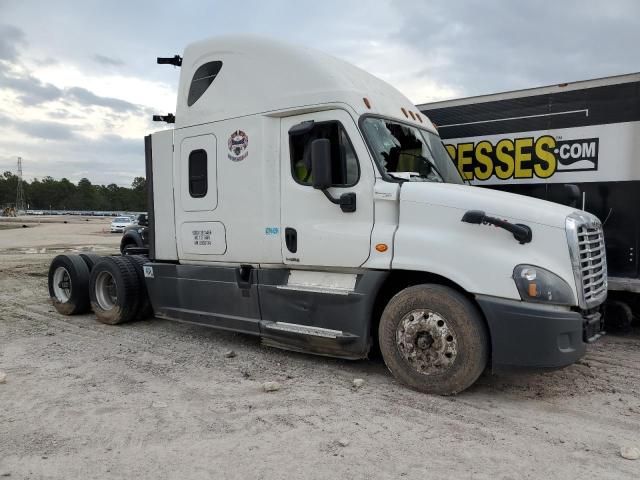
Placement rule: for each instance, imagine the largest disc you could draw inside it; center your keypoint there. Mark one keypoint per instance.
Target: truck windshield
(408, 153)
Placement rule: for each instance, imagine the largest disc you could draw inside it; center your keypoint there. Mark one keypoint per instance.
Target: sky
(79, 81)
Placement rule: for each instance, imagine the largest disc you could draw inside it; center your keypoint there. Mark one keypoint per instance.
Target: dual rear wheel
(113, 287)
(69, 284)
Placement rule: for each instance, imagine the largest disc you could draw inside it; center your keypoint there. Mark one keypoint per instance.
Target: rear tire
(433, 339)
(618, 316)
(90, 259)
(146, 310)
(114, 290)
(124, 249)
(69, 284)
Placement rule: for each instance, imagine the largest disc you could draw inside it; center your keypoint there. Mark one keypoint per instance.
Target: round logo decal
(238, 142)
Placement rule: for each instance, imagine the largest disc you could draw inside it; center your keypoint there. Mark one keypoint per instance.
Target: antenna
(20, 204)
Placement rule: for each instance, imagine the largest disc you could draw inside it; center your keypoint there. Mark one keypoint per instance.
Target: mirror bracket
(347, 201)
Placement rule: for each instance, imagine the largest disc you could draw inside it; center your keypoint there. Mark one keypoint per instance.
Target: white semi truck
(302, 200)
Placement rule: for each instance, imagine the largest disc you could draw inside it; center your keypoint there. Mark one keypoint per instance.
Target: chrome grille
(592, 263)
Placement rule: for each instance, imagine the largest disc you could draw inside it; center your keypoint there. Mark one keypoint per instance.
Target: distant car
(118, 224)
(135, 237)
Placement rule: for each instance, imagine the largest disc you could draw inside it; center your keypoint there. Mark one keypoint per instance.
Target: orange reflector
(366, 102)
(405, 112)
(533, 290)
(382, 247)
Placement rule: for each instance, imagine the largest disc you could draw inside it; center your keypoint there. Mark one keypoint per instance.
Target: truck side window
(198, 173)
(204, 76)
(345, 168)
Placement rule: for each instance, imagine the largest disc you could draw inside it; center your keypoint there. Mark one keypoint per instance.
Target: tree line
(51, 194)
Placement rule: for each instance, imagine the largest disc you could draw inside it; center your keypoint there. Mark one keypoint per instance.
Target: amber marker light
(533, 290)
(382, 247)
(367, 103)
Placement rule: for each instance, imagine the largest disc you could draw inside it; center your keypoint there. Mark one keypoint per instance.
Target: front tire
(433, 339)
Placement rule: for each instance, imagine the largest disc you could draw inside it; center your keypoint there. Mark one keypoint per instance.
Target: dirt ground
(160, 400)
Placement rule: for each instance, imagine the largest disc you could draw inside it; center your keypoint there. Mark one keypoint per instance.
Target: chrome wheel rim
(62, 284)
(106, 292)
(426, 341)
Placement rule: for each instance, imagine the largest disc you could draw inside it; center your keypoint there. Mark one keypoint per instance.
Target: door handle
(243, 276)
(291, 239)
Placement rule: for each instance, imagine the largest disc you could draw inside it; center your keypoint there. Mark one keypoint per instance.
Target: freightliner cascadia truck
(302, 200)
(574, 143)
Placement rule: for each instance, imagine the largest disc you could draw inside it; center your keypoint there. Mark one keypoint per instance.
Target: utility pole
(20, 206)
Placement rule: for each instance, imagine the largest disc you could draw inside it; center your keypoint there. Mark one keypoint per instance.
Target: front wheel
(433, 339)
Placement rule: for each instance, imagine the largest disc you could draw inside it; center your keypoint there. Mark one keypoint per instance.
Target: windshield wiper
(396, 177)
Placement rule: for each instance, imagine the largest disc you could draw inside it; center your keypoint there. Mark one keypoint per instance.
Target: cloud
(11, 39)
(428, 49)
(479, 47)
(31, 91)
(62, 113)
(115, 144)
(40, 129)
(106, 159)
(86, 97)
(46, 130)
(108, 61)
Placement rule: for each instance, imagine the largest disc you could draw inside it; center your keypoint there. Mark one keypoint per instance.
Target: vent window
(204, 76)
(198, 180)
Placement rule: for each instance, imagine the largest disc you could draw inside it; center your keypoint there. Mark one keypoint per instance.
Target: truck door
(316, 231)
(198, 235)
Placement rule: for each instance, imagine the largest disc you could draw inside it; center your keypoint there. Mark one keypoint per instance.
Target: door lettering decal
(201, 237)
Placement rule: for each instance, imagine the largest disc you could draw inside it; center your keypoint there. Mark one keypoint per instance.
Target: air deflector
(202, 79)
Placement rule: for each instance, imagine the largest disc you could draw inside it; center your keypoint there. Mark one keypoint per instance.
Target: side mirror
(321, 163)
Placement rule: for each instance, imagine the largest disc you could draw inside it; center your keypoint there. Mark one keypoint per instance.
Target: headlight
(536, 284)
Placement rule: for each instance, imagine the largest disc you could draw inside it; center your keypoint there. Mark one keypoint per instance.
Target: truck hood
(492, 202)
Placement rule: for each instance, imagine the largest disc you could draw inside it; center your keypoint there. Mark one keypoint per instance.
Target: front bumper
(532, 335)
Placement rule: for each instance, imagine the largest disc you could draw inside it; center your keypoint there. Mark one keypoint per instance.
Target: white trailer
(302, 200)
